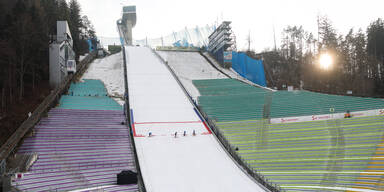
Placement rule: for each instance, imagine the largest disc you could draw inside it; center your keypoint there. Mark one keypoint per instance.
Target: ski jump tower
(127, 22)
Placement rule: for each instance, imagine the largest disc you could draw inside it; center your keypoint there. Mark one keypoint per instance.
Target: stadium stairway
(373, 177)
(82, 144)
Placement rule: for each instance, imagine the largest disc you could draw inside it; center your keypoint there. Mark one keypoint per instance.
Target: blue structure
(222, 41)
(92, 44)
(249, 68)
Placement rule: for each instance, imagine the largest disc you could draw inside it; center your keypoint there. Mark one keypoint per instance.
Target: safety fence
(223, 141)
(213, 65)
(249, 68)
(10, 146)
(219, 56)
(188, 37)
(232, 151)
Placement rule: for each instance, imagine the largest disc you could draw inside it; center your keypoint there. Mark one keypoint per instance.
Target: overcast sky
(160, 17)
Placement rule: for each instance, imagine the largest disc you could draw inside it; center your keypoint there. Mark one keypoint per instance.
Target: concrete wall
(63, 32)
(57, 66)
(128, 22)
(60, 51)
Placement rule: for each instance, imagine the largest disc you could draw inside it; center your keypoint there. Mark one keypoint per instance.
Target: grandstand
(232, 100)
(332, 155)
(80, 145)
(313, 153)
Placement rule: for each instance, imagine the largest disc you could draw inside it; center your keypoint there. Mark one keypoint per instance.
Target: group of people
(184, 133)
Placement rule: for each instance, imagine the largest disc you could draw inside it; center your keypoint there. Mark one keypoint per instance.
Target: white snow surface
(110, 70)
(185, 163)
(82, 57)
(190, 66)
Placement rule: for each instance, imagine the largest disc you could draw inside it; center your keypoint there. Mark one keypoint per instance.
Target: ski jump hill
(83, 143)
(176, 150)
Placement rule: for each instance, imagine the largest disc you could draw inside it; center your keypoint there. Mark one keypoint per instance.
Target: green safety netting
(232, 100)
(331, 153)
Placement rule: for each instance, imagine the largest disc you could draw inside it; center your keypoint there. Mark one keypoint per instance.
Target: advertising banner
(228, 56)
(327, 116)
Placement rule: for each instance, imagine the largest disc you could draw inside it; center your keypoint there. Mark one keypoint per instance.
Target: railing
(223, 140)
(127, 113)
(10, 146)
(213, 65)
(232, 151)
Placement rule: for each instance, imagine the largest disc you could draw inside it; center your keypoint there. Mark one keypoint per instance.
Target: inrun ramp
(168, 163)
(80, 148)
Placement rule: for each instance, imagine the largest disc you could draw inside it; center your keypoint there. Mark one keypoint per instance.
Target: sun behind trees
(357, 60)
(26, 28)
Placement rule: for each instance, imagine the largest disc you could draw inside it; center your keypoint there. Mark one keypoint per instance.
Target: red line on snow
(206, 127)
(134, 130)
(181, 122)
(172, 135)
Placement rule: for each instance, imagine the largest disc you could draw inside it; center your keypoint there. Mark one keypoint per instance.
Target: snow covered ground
(82, 57)
(190, 66)
(110, 70)
(182, 163)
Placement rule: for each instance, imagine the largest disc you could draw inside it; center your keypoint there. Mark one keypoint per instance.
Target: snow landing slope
(190, 66)
(185, 163)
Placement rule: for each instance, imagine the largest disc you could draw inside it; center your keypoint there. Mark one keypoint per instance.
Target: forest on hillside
(26, 29)
(358, 60)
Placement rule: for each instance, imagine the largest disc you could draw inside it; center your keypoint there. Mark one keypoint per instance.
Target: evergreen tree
(375, 48)
(75, 25)
(88, 28)
(63, 10)
(328, 38)
(51, 15)
(375, 33)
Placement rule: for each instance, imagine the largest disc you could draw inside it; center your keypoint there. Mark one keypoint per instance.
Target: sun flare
(325, 61)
